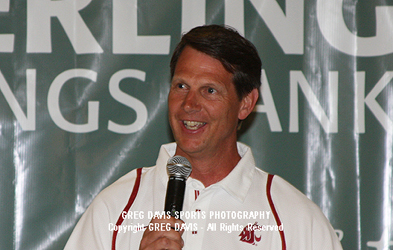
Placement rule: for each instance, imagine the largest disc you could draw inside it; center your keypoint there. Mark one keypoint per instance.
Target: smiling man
(229, 202)
(204, 110)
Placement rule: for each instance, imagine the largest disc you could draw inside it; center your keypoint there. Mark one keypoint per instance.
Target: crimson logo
(248, 234)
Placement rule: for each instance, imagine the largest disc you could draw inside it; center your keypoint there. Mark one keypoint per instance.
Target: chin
(189, 147)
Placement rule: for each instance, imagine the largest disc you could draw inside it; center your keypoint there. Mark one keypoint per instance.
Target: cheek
(172, 122)
(171, 103)
(174, 99)
(226, 114)
(173, 111)
(232, 116)
(171, 115)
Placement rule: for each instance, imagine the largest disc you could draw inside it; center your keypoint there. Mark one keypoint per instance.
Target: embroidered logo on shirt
(248, 235)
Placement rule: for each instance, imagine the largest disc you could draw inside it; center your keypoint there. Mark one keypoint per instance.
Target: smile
(192, 125)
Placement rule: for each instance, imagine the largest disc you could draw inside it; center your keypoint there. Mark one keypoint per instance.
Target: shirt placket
(199, 199)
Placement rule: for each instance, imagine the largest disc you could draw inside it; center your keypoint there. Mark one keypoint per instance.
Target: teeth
(192, 125)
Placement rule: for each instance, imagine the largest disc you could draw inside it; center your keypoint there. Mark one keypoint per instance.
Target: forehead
(193, 63)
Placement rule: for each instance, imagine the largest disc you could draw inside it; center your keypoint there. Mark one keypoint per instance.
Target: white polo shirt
(248, 209)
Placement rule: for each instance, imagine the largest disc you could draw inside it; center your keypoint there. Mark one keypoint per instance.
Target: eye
(211, 90)
(181, 85)
(178, 86)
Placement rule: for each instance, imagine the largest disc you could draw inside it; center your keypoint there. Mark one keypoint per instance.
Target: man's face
(203, 105)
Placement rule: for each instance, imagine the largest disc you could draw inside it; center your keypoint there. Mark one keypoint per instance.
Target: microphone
(178, 168)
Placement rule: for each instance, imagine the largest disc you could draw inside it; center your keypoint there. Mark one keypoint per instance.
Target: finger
(166, 243)
(162, 242)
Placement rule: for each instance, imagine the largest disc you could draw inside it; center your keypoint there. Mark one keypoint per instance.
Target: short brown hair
(238, 55)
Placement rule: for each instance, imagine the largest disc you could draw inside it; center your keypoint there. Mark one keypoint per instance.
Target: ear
(247, 104)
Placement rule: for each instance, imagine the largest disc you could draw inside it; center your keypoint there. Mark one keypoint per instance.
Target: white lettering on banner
(329, 126)
(384, 242)
(268, 107)
(4, 5)
(193, 14)
(297, 78)
(54, 107)
(331, 22)
(6, 40)
(286, 28)
(132, 102)
(125, 32)
(39, 13)
(234, 15)
(369, 100)
(27, 122)
(340, 234)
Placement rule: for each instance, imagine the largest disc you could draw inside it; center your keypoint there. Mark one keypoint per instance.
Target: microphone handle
(175, 196)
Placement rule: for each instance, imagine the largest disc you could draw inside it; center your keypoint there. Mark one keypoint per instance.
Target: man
(229, 202)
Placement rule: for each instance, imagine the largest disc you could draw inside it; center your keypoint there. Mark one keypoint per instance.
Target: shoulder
(305, 225)
(120, 190)
(284, 192)
(284, 195)
(91, 232)
(293, 204)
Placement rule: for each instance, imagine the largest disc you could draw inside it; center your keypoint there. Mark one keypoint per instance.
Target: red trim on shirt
(278, 221)
(196, 194)
(127, 207)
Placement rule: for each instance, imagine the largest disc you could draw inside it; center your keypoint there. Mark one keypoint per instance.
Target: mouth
(193, 125)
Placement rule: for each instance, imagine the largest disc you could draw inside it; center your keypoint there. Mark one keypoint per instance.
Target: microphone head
(179, 167)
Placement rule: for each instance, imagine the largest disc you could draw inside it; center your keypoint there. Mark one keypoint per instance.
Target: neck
(212, 168)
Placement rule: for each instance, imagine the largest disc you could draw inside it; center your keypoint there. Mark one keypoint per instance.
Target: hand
(161, 234)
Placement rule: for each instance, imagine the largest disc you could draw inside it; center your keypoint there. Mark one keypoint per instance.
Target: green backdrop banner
(83, 101)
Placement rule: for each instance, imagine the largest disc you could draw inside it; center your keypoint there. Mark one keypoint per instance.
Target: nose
(191, 102)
